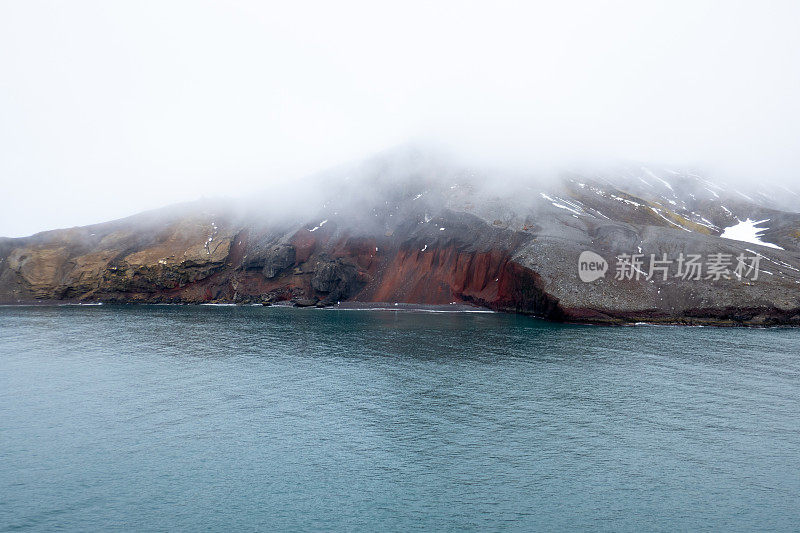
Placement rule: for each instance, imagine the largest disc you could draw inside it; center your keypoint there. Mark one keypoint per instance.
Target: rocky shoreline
(735, 319)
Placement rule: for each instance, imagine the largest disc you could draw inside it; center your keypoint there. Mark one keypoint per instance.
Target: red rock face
(363, 251)
(305, 243)
(438, 276)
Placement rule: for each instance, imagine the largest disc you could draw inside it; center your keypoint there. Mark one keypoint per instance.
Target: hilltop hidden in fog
(410, 227)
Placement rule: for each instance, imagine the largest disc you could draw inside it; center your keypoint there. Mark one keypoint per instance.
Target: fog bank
(107, 109)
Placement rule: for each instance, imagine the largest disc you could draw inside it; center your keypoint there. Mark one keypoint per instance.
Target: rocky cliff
(436, 233)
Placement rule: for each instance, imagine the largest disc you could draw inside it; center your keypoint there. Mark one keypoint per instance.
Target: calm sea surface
(248, 418)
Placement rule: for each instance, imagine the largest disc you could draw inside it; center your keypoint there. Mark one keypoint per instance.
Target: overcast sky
(108, 108)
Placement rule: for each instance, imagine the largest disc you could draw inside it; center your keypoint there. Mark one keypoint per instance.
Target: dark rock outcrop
(335, 279)
(278, 259)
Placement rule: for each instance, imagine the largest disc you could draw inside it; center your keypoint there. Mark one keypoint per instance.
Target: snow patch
(559, 205)
(652, 175)
(625, 200)
(320, 225)
(748, 231)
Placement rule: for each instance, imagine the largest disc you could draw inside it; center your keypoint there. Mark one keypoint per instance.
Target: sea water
(164, 418)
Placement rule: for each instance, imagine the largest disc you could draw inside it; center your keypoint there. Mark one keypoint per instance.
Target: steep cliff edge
(441, 235)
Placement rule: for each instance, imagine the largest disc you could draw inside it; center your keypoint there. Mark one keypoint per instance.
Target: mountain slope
(415, 228)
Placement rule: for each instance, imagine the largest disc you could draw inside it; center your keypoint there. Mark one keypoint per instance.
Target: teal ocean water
(161, 418)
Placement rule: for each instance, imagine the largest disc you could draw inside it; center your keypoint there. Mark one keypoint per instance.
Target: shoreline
(693, 322)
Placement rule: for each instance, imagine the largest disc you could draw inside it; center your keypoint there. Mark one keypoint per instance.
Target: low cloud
(109, 109)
